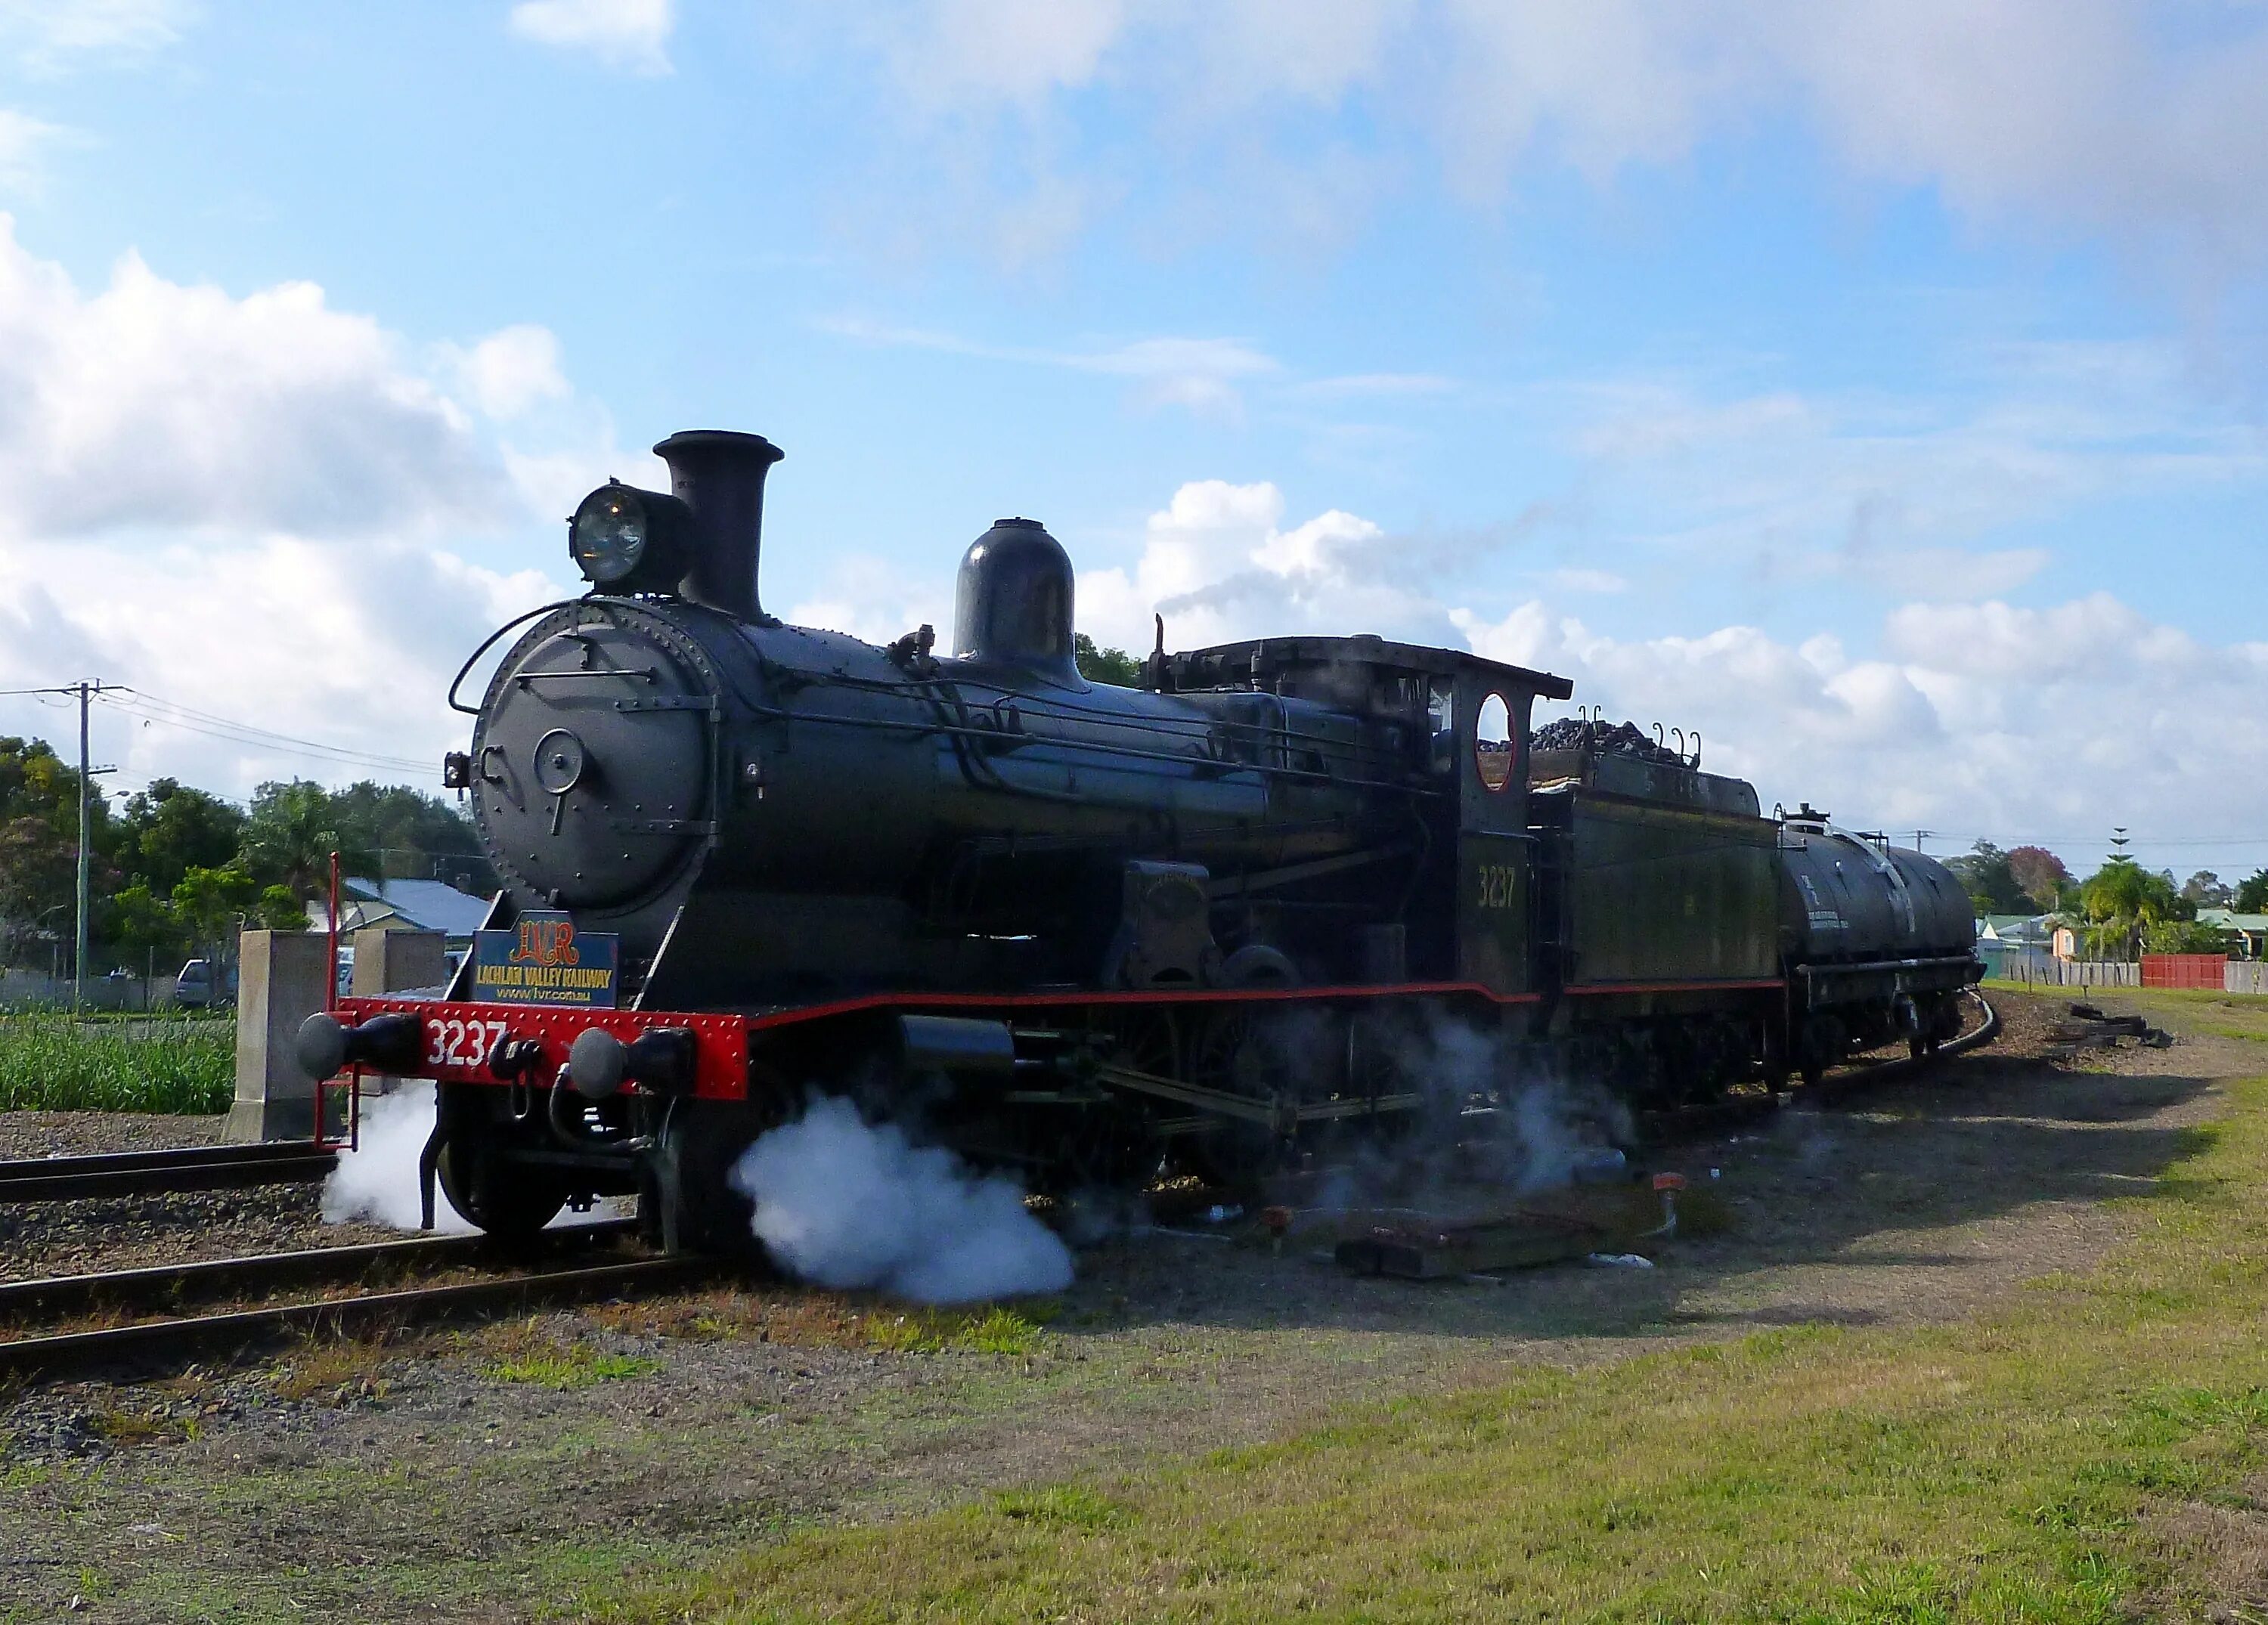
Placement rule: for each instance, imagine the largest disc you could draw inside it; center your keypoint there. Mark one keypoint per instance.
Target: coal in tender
(1622, 739)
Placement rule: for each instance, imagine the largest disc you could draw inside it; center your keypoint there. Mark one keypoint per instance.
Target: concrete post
(280, 984)
(396, 961)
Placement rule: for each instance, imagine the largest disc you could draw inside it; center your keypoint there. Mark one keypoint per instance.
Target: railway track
(193, 1168)
(560, 1270)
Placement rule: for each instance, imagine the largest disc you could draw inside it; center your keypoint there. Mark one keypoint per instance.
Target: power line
(169, 713)
(151, 708)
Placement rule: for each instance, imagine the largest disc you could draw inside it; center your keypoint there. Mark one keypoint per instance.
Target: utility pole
(78, 954)
(1921, 835)
(86, 692)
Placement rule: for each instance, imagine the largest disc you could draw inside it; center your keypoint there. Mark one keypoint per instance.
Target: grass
(801, 1319)
(51, 1062)
(340, 1370)
(2077, 1458)
(994, 1330)
(2225, 1015)
(525, 1354)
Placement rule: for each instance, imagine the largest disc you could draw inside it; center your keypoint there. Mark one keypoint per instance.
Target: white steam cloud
(850, 1205)
(377, 1182)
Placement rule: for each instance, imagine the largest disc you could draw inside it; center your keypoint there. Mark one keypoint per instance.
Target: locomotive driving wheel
(1237, 1051)
(1118, 1145)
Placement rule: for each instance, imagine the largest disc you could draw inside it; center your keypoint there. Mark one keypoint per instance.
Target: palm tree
(2122, 900)
(290, 836)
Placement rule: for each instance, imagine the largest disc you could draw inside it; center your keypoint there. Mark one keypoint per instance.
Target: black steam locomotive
(1088, 931)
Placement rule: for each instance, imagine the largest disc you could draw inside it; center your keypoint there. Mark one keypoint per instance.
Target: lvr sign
(545, 960)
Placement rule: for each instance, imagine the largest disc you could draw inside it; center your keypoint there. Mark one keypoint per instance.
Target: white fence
(2045, 971)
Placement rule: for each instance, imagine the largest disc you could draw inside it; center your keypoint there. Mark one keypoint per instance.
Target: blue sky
(1874, 388)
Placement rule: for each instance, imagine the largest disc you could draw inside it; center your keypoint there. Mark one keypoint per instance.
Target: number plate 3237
(1498, 886)
(461, 1043)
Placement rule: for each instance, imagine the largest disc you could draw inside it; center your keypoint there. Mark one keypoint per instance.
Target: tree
(169, 829)
(2040, 875)
(211, 905)
(138, 922)
(2252, 894)
(2185, 936)
(278, 910)
(289, 838)
(38, 844)
(2204, 890)
(1097, 664)
(1984, 872)
(409, 835)
(2123, 899)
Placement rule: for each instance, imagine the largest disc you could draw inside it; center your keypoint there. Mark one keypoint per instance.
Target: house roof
(2229, 920)
(2018, 927)
(429, 905)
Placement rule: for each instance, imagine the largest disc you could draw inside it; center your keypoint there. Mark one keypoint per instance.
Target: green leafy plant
(2183, 937)
(49, 1062)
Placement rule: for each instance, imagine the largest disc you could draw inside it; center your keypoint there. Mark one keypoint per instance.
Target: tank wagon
(1228, 916)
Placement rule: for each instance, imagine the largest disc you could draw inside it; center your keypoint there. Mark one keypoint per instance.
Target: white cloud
(49, 35)
(1220, 564)
(235, 503)
(23, 144)
(1199, 374)
(511, 370)
(349, 646)
(1973, 716)
(1573, 580)
(2014, 723)
(2136, 120)
(1367, 385)
(1892, 493)
(949, 51)
(155, 404)
(876, 600)
(633, 34)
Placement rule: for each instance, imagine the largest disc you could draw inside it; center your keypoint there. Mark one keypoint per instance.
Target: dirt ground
(443, 1480)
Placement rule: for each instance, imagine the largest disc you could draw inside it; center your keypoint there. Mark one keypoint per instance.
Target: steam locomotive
(1216, 921)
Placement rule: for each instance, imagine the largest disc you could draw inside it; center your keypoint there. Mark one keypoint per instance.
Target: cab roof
(1265, 657)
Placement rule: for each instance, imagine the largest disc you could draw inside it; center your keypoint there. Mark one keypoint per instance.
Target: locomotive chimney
(719, 474)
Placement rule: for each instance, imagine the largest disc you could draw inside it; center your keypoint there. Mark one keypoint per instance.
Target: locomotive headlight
(607, 536)
(628, 540)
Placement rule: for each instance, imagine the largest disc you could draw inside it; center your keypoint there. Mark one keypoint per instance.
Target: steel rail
(53, 1296)
(157, 1342)
(190, 1168)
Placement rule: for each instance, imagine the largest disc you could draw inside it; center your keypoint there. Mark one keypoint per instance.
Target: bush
(51, 1062)
(2183, 937)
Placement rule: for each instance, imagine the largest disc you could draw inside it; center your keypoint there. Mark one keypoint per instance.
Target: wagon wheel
(1233, 1050)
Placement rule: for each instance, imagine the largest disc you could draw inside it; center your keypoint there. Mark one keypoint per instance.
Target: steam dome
(1014, 606)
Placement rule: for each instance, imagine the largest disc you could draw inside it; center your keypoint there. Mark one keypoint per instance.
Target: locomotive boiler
(1218, 920)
